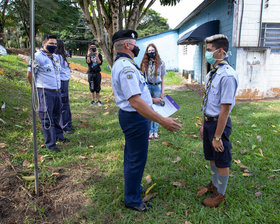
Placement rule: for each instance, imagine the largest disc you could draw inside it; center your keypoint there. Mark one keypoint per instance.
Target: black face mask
(152, 54)
(135, 51)
(93, 49)
(51, 48)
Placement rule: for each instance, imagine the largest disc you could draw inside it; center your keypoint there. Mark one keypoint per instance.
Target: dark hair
(145, 61)
(49, 36)
(219, 43)
(91, 43)
(61, 50)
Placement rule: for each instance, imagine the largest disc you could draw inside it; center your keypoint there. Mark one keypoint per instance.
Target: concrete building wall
(219, 10)
(258, 68)
(166, 45)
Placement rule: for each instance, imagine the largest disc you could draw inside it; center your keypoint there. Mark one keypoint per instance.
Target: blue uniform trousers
(66, 116)
(222, 159)
(49, 114)
(136, 130)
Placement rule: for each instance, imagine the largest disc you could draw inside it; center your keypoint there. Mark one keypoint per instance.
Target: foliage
(112, 16)
(49, 15)
(152, 23)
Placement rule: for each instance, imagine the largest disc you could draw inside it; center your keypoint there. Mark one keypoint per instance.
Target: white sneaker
(92, 103)
(156, 136)
(151, 136)
(99, 103)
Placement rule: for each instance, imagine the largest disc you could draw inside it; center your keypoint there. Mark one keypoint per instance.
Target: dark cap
(124, 34)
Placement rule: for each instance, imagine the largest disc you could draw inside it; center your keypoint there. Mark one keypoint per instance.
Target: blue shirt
(222, 90)
(47, 70)
(151, 74)
(127, 81)
(65, 74)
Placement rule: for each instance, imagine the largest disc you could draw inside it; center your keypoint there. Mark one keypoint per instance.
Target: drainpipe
(260, 31)
(240, 27)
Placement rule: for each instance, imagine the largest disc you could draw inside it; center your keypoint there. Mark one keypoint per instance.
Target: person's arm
(162, 87)
(201, 129)
(28, 76)
(143, 108)
(88, 60)
(98, 58)
(222, 121)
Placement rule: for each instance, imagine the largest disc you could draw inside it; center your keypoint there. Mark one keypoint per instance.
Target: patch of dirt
(58, 201)
(196, 87)
(25, 51)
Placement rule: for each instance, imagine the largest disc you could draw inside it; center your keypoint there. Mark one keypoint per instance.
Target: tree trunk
(110, 18)
(2, 23)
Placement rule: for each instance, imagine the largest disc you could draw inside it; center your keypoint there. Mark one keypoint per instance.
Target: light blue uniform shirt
(128, 81)
(222, 90)
(65, 74)
(47, 71)
(151, 75)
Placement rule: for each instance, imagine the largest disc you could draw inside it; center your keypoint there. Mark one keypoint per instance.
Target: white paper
(169, 107)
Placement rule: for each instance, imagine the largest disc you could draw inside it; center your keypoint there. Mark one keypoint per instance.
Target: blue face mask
(209, 57)
(152, 54)
(51, 48)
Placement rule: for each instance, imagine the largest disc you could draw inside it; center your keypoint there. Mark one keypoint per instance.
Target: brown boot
(208, 188)
(214, 200)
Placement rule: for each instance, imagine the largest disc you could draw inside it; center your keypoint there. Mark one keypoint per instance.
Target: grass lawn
(95, 155)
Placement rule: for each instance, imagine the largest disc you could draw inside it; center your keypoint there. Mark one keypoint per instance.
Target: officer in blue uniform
(47, 79)
(219, 99)
(134, 100)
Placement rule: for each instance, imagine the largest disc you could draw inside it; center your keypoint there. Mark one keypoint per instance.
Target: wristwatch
(217, 139)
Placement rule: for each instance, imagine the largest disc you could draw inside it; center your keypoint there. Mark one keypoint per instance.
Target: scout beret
(124, 34)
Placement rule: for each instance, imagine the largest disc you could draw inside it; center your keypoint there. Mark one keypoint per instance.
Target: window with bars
(271, 36)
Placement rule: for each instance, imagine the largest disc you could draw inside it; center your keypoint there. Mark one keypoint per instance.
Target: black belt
(154, 83)
(210, 119)
(54, 90)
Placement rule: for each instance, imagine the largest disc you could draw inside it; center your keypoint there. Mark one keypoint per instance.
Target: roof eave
(198, 9)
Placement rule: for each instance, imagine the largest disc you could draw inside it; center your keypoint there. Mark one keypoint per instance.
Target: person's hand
(171, 124)
(201, 132)
(89, 51)
(96, 53)
(218, 145)
(161, 95)
(157, 101)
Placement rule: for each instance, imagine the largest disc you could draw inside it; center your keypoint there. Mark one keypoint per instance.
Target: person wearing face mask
(94, 61)
(134, 100)
(218, 101)
(154, 69)
(48, 83)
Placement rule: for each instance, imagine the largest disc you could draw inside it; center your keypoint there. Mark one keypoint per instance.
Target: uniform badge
(49, 70)
(129, 76)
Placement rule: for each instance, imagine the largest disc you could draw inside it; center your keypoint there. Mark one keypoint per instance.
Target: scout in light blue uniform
(219, 99)
(134, 100)
(65, 75)
(47, 79)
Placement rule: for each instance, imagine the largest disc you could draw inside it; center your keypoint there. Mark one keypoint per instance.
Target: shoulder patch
(128, 70)
(129, 76)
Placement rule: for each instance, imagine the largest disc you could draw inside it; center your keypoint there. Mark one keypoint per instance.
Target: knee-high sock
(222, 184)
(214, 172)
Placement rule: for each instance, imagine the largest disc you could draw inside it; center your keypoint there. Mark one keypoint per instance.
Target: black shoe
(55, 149)
(140, 208)
(143, 190)
(62, 140)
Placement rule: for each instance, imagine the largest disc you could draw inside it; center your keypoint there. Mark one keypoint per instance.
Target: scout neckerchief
(52, 59)
(151, 72)
(211, 77)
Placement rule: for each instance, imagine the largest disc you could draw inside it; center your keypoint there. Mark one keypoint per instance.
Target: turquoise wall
(166, 44)
(216, 11)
